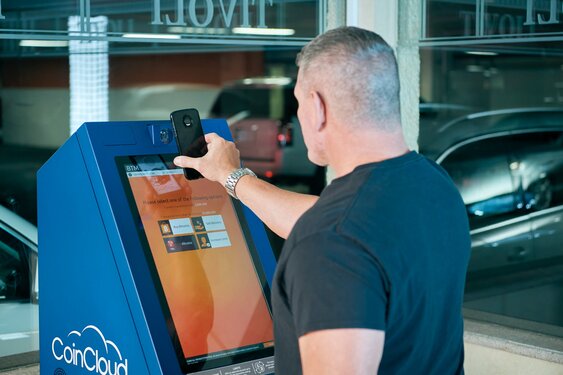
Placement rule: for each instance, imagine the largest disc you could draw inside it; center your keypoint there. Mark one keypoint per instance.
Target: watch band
(234, 178)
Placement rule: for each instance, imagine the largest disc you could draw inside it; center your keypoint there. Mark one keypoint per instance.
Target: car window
(539, 164)
(265, 102)
(482, 172)
(18, 297)
(16, 282)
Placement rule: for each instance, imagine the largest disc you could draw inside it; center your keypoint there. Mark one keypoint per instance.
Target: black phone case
(189, 137)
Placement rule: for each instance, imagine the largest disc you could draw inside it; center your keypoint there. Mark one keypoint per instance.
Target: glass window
(188, 24)
(140, 60)
(507, 176)
(19, 295)
(270, 99)
(482, 174)
(539, 164)
(496, 126)
(468, 19)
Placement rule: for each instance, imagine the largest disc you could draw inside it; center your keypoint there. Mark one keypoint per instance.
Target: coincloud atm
(142, 271)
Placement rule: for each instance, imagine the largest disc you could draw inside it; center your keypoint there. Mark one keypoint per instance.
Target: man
(371, 277)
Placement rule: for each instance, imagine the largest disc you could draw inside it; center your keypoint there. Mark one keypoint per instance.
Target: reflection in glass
(503, 148)
(19, 320)
(476, 19)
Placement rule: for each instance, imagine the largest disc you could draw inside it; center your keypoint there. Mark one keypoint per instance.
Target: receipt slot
(142, 271)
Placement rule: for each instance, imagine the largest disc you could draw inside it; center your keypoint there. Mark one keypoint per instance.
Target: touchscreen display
(212, 286)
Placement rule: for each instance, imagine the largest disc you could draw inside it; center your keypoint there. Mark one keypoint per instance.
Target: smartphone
(189, 137)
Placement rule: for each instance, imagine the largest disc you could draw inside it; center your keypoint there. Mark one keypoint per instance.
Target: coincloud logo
(89, 350)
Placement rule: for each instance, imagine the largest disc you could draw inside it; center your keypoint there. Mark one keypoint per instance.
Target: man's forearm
(279, 209)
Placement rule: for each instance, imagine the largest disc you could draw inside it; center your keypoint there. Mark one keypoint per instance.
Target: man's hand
(221, 159)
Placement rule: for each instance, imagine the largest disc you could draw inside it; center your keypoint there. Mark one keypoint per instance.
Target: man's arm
(341, 351)
(278, 209)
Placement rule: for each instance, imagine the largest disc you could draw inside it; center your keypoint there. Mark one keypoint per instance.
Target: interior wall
(36, 101)
(35, 116)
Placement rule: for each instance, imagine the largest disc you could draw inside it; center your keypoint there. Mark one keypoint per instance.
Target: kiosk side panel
(86, 323)
(100, 143)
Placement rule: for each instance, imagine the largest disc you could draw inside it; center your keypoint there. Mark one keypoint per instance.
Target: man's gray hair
(359, 72)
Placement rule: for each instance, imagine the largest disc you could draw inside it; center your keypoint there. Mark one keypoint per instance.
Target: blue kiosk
(142, 271)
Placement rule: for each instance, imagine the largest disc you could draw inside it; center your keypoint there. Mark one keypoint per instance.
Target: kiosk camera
(142, 271)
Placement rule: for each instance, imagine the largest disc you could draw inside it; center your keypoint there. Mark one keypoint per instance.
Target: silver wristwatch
(233, 179)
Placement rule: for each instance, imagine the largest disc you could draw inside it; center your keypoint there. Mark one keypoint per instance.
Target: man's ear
(320, 110)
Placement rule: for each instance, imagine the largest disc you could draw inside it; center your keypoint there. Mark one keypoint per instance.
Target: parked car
(508, 167)
(433, 113)
(19, 289)
(262, 114)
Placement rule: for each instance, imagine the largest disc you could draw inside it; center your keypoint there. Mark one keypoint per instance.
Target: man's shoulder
(402, 188)
(380, 202)
(327, 249)
(326, 214)
(399, 204)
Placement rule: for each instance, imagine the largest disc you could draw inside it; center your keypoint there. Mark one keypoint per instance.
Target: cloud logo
(90, 350)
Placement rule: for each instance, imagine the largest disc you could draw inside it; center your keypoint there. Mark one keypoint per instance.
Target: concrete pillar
(336, 14)
(398, 22)
(409, 24)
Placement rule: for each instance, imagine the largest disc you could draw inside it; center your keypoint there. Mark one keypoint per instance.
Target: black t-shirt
(385, 247)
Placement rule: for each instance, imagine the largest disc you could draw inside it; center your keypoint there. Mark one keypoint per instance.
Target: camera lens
(165, 136)
(188, 121)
